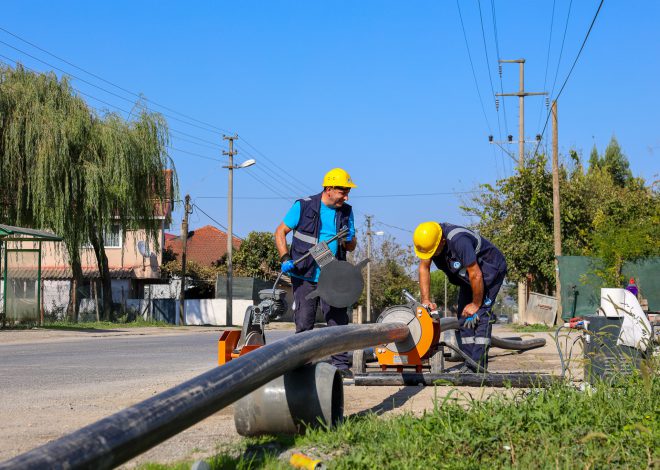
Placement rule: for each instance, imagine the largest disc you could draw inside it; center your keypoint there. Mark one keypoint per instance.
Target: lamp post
(370, 233)
(230, 209)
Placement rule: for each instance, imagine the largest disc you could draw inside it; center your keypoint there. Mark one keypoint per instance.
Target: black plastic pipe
(120, 437)
(515, 379)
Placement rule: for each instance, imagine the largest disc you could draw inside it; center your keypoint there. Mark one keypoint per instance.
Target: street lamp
(230, 209)
(370, 233)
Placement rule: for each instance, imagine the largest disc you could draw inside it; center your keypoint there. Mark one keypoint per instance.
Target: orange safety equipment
(338, 177)
(426, 239)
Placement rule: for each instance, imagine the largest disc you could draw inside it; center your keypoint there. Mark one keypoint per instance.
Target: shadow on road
(395, 400)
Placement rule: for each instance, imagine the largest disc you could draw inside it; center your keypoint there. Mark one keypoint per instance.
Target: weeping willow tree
(64, 167)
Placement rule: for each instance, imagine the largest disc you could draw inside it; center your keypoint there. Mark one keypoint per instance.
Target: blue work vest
(306, 233)
(490, 260)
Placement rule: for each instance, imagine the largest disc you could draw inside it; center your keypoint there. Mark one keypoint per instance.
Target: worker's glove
(471, 321)
(349, 238)
(288, 266)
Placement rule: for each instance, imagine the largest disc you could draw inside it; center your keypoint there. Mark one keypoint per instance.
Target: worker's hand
(471, 321)
(288, 266)
(428, 305)
(470, 309)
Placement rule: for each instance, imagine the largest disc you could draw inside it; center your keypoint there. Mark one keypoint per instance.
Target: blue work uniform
(313, 222)
(463, 247)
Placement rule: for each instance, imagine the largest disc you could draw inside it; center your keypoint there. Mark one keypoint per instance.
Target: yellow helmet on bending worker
(426, 239)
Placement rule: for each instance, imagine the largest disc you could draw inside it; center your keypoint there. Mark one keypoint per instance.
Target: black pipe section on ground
(120, 437)
(515, 379)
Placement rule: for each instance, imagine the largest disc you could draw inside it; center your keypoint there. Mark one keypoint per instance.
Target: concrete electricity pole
(184, 242)
(370, 233)
(556, 214)
(522, 286)
(230, 234)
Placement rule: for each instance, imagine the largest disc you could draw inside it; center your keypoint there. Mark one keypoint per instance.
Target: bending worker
(312, 220)
(475, 265)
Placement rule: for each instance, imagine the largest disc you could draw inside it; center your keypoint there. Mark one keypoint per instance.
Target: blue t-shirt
(326, 232)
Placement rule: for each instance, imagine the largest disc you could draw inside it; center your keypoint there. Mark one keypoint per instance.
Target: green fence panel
(580, 288)
(647, 276)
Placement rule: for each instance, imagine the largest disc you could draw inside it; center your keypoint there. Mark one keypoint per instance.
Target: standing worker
(315, 219)
(475, 265)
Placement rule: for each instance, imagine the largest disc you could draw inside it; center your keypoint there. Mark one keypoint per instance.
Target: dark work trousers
(476, 342)
(305, 313)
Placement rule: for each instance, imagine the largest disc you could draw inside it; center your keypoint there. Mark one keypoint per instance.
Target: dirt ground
(60, 416)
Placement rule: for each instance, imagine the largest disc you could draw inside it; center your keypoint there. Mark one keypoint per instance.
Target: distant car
(502, 319)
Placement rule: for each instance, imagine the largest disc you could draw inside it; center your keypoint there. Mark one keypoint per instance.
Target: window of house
(111, 238)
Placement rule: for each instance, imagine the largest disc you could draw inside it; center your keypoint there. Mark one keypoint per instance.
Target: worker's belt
(475, 340)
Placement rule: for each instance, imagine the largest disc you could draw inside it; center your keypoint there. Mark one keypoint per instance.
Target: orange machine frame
(227, 344)
(413, 358)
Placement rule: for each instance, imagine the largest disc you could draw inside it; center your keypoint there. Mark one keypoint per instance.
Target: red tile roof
(205, 245)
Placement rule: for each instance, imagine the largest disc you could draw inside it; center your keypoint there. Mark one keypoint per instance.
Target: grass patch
(535, 328)
(561, 427)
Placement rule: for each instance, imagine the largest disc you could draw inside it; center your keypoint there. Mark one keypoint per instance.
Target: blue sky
(383, 89)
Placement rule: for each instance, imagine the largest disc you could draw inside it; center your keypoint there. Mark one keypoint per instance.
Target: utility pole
(230, 234)
(368, 217)
(184, 242)
(556, 215)
(446, 310)
(522, 286)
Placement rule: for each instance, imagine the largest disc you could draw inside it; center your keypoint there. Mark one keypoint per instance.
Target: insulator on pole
(500, 69)
(497, 104)
(547, 102)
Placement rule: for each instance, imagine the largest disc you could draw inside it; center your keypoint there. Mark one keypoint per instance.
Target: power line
(547, 58)
(497, 49)
(561, 50)
(111, 83)
(474, 75)
(490, 79)
(210, 127)
(584, 42)
(447, 193)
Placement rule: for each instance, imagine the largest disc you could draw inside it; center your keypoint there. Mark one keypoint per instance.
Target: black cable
(490, 79)
(561, 49)
(210, 127)
(474, 75)
(547, 58)
(218, 223)
(497, 49)
(111, 83)
(600, 5)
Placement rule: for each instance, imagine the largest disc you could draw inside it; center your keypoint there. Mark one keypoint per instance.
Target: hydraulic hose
(451, 323)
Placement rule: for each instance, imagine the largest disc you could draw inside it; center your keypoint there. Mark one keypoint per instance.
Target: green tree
(599, 217)
(614, 162)
(75, 172)
(516, 215)
(258, 256)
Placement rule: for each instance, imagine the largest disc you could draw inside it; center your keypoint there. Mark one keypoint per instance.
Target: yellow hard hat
(426, 238)
(338, 177)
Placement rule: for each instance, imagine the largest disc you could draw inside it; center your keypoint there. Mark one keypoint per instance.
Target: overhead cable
(584, 42)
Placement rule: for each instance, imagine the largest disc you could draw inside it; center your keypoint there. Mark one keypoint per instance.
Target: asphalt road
(105, 358)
